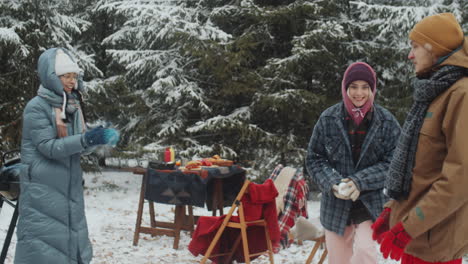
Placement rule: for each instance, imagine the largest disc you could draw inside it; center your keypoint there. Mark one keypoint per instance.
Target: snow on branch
(149, 23)
(238, 117)
(398, 19)
(74, 24)
(9, 36)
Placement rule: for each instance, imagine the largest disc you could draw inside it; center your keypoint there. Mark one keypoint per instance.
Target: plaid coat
(329, 159)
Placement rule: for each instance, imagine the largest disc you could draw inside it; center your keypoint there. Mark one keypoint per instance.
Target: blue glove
(100, 136)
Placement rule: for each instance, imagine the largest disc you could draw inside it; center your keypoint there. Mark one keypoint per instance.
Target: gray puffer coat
(52, 224)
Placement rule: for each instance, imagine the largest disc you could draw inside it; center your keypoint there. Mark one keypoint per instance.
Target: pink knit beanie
(358, 71)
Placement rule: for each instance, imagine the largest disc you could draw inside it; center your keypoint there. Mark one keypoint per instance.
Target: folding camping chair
(291, 202)
(319, 241)
(242, 225)
(306, 230)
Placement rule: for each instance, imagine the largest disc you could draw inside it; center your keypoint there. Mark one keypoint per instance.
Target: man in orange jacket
(427, 219)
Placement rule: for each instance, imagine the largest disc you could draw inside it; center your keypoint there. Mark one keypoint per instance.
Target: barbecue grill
(10, 175)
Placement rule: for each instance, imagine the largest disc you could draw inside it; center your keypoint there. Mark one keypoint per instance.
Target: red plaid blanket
(295, 202)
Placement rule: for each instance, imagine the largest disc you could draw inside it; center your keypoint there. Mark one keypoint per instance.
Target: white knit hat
(64, 64)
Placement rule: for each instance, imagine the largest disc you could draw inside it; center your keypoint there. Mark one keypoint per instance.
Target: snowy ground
(111, 206)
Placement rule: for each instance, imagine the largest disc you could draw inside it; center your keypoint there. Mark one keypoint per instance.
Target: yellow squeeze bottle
(172, 154)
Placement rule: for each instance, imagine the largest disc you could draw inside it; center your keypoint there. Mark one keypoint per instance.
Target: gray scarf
(68, 103)
(398, 181)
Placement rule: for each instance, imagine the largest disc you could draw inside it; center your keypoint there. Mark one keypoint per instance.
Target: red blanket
(258, 203)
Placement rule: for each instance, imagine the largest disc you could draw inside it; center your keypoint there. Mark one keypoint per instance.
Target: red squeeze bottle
(167, 155)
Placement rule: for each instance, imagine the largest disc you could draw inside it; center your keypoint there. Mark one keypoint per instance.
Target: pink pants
(355, 247)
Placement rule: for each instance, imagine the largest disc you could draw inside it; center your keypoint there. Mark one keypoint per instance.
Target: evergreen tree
(297, 87)
(12, 73)
(246, 79)
(166, 49)
(27, 29)
(299, 83)
(382, 30)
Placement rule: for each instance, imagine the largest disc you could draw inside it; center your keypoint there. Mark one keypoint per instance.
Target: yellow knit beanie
(442, 31)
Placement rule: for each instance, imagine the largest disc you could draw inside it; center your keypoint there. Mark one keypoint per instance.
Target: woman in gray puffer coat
(52, 224)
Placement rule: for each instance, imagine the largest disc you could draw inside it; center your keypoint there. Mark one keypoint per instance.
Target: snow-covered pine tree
(249, 78)
(380, 34)
(90, 40)
(176, 62)
(300, 82)
(242, 78)
(108, 97)
(27, 28)
(230, 70)
(297, 87)
(12, 73)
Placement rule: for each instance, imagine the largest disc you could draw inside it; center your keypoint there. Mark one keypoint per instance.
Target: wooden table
(183, 214)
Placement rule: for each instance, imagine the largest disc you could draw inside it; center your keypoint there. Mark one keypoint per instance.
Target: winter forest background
(245, 79)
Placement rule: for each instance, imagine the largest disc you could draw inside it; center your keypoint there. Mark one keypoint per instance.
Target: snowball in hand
(344, 189)
(112, 136)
